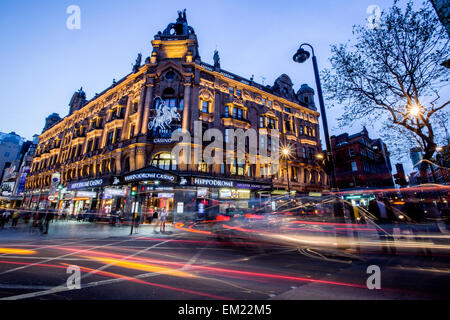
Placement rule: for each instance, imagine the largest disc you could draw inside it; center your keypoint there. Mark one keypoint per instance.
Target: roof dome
(305, 89)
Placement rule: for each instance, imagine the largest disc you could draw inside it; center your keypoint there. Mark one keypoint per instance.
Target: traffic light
(134, 191)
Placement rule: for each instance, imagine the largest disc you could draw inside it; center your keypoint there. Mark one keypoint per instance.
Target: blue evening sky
(43, 63)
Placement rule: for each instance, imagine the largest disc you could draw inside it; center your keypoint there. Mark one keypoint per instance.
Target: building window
(311, 153)
(313, 177)
(231, 90)
(203, 167)
(122, 113)
(165, 161)
(351, 152)
(132, 128)
(89, 146)
(288, 125)
(294, 174)
(354, 166)
(238, 92)
(227, 111)
(263, 101)
(306, 176)
(241, 169)
(269, 103)
(109, 138)
(238, 113)
(271, 123)
(261, 122)
(118, 134)
(205, 106)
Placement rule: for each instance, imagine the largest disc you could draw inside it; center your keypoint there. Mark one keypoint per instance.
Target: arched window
(313, 176)
(203, 167)
(170, 98)
(126, 165)
(165, 161)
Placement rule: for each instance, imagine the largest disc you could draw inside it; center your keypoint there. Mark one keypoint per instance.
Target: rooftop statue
(216, 59)
(137, 64)
(180, 28)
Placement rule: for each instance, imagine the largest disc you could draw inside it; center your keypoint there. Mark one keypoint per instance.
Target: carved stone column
(195, 112)
(117, 163)
(137, 129)
(140, 158)
(187, 103)
(126, 124)
(148, 101)
(133, 160)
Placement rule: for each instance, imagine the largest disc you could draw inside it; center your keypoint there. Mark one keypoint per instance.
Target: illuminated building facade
(119, 144)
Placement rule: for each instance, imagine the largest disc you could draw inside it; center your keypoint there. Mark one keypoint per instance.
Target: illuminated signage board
(86, 184)
(213, 183)
(86, 194)
(149, 176)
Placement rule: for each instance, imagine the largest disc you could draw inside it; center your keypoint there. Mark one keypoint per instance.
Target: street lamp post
(301, 56)
(286, 154)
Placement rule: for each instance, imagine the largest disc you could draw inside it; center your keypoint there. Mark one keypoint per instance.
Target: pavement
(75, 229)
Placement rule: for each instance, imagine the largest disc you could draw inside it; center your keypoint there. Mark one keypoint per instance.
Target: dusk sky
(44, 63)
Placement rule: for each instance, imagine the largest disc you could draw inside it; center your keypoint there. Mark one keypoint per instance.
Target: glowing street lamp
(414, 111)
(286, 154)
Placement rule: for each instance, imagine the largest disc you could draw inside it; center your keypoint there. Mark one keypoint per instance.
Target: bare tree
(393, 74)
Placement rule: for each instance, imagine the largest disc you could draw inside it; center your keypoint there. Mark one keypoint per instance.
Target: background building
(10, 146)
(361, 162)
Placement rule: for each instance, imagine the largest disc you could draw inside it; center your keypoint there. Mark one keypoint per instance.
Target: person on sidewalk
(49, 217)
(163, 218)
(156, 219)
(15, 219)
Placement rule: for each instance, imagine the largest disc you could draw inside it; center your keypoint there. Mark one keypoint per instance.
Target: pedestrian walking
(7, 216)
(163, 218)
(48, 218)
(156, 219)
(2, 219)
(15, 219)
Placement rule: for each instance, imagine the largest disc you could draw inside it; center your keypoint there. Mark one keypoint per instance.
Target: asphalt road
(181, 264)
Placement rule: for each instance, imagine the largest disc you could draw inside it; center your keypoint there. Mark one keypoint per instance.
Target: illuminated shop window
(165, 161)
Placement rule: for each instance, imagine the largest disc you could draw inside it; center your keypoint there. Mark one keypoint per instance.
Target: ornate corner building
(119, 141)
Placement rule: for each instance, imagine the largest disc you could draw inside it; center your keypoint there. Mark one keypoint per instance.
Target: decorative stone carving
(238, 101)
(206, 94)
(247, 95)
(221, 86)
